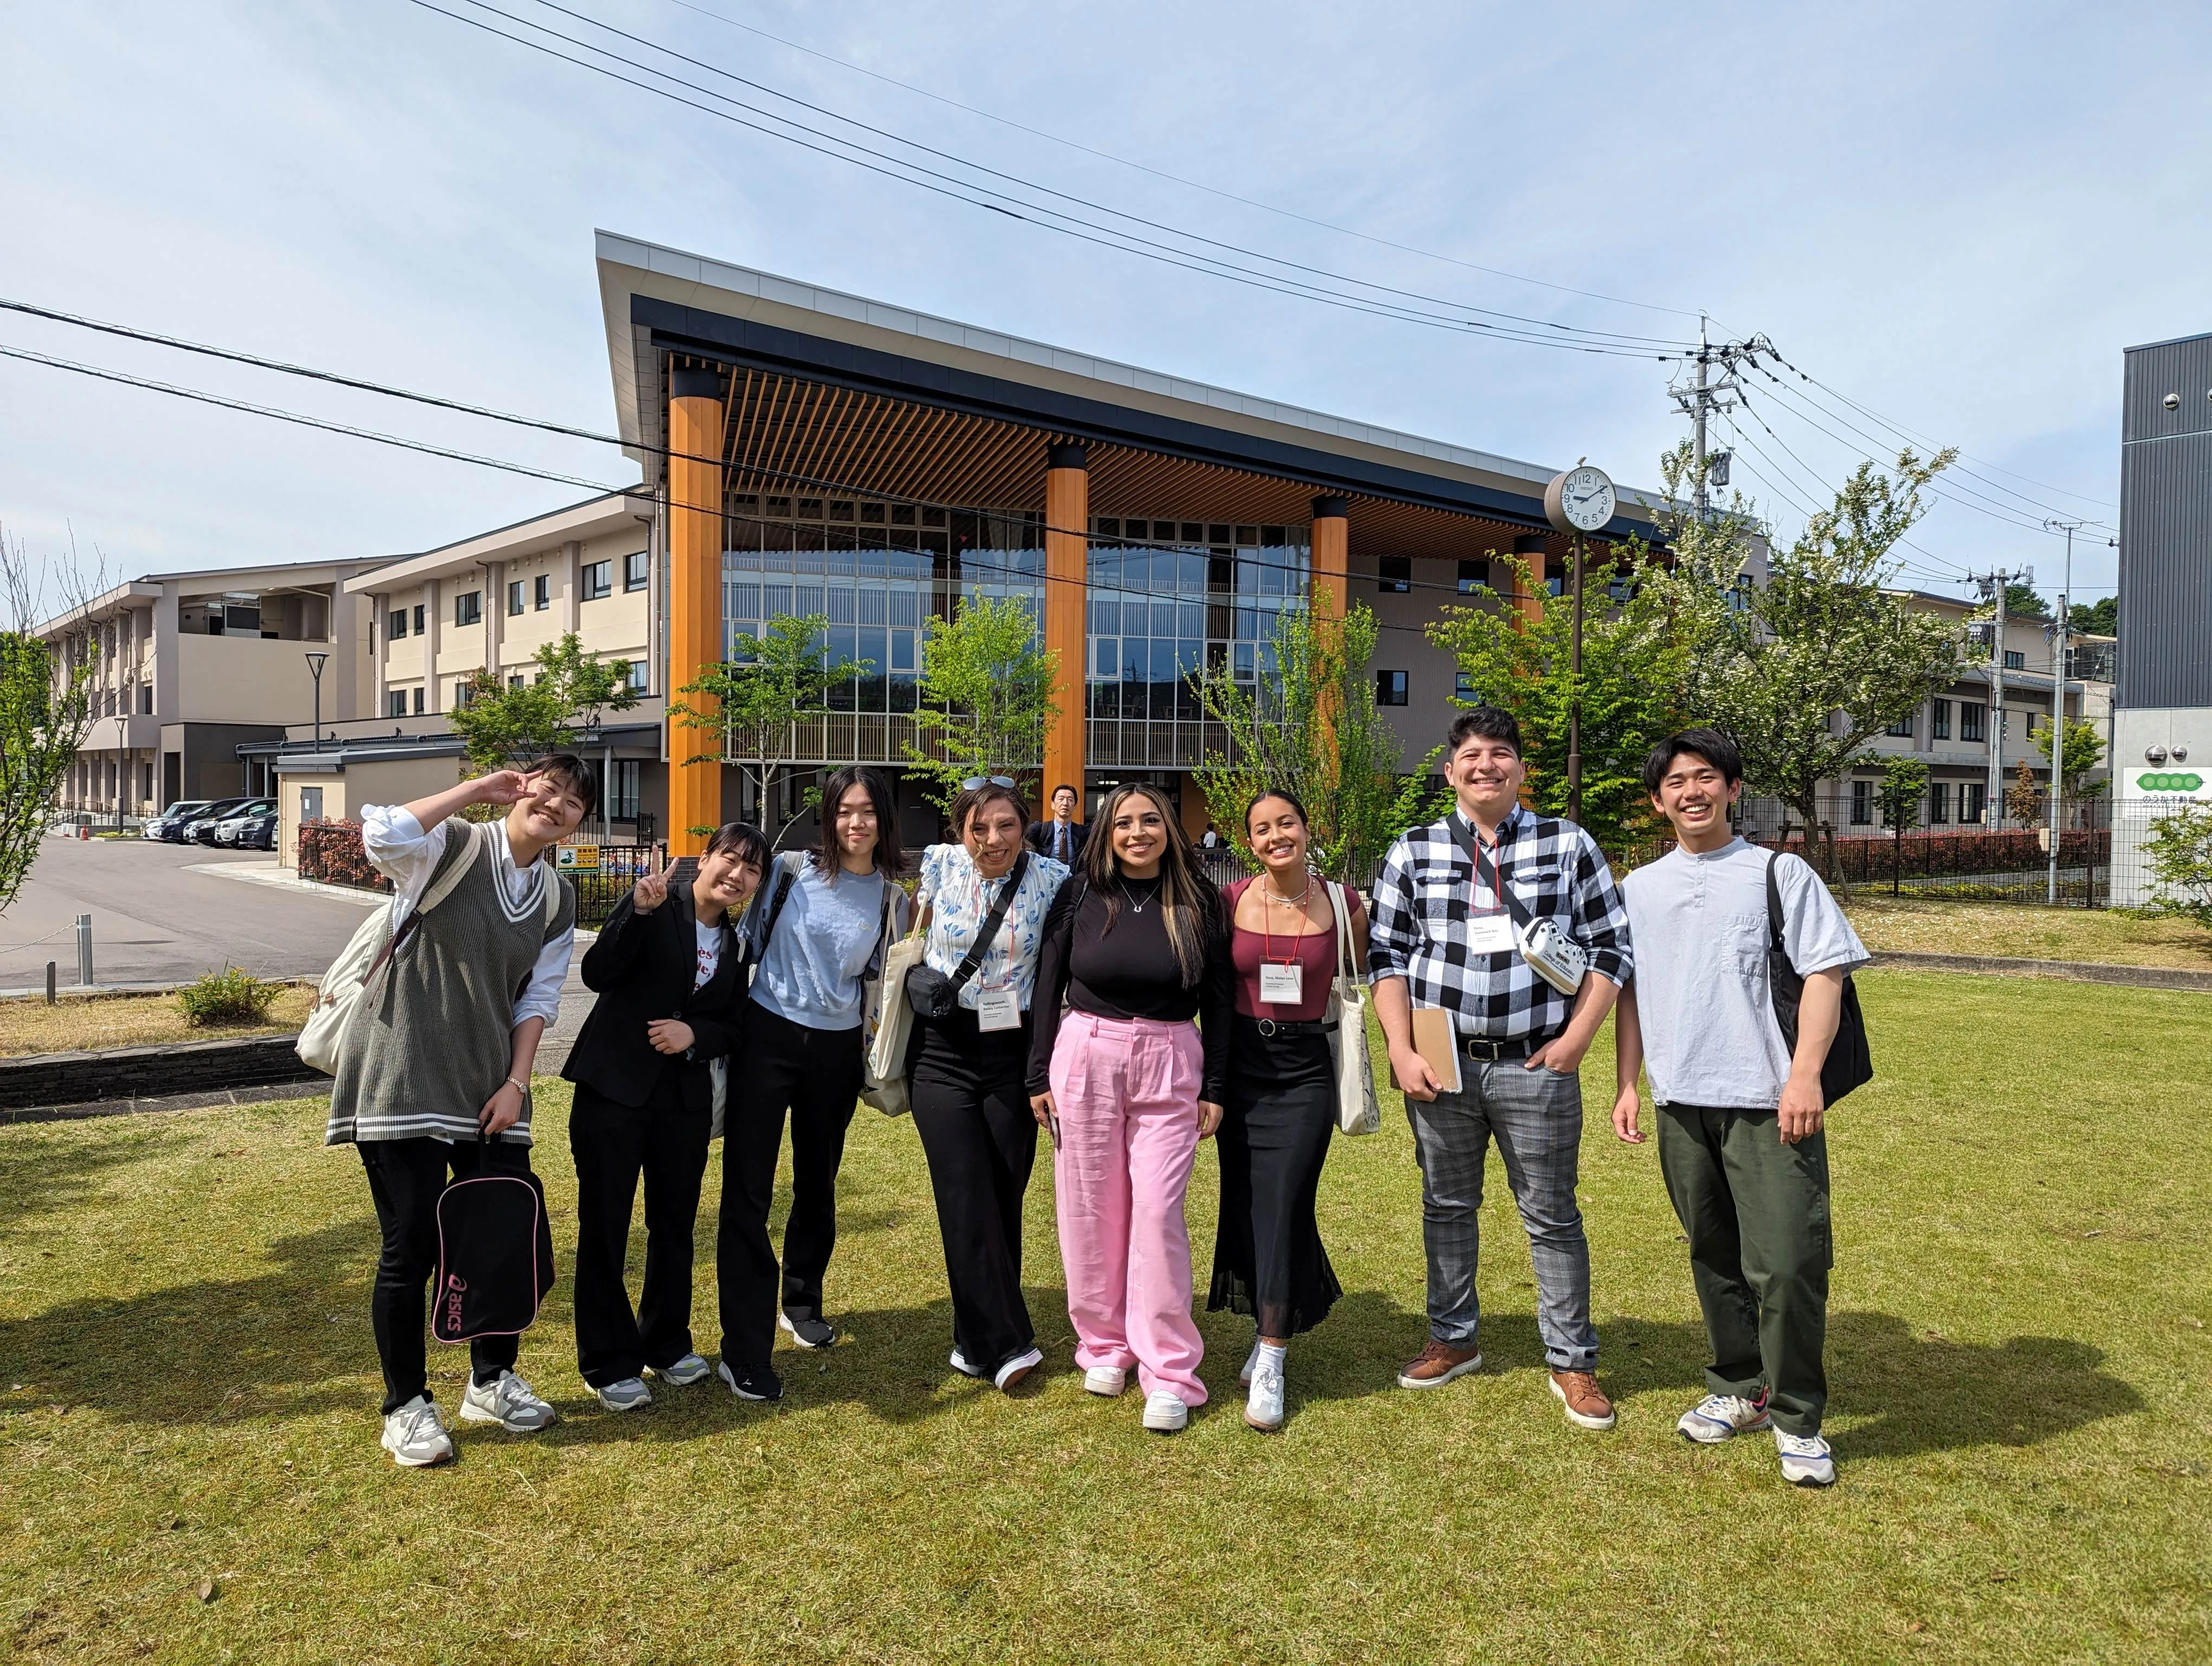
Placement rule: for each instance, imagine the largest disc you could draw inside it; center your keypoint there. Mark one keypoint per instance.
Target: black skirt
(1279, 1115)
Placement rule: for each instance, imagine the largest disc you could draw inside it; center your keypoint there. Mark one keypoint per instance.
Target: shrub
(232, 995)
(332, 852)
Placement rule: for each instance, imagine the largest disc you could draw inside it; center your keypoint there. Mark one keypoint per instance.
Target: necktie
(1062, 854)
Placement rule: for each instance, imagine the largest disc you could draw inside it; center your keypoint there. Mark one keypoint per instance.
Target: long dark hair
(1190, 907)
(891, 861)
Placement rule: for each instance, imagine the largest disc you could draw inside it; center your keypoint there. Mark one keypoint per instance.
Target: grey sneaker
(416, 1436)
(811, 1332)
(1721, 1417)
(685, 1372)
(508, 1401)
(1805, 1459)
(626, 1395)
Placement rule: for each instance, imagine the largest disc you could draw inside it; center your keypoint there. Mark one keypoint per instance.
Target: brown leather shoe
(1438, 1364)
(1587, 1406)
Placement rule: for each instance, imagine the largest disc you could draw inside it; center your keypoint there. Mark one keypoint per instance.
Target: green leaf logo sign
(2170, 781)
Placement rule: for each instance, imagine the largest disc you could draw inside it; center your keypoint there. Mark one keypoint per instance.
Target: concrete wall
(345, 791)
(249, 679)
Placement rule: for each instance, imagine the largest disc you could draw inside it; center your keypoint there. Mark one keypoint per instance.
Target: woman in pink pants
(1127, 1086)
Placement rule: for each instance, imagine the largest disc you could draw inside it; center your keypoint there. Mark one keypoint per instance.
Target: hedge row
(332, 851)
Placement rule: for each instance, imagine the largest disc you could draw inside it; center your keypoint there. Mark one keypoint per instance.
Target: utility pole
(2058, 699)
(1712, 388)
(1702, 398)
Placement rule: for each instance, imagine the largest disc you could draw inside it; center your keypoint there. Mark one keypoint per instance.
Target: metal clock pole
(1575, 697)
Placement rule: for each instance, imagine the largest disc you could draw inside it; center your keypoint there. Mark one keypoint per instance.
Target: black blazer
(1039, 838)
(642, 968)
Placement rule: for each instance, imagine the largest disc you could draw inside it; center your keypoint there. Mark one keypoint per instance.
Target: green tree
(501, 724)
(758, 695)
(986, 694)
(2099, 618)
(1805, 669)
(2022, 603)
(1629, 689)
(2179, 850)
(1314, 730)
(1903, 789)
(45, 708)
(2083, 752)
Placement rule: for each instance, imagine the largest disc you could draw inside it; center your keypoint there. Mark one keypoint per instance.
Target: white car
(242, 821)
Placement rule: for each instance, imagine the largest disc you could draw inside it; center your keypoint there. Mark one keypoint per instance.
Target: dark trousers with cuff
(1756, 1214)
(405, 1179)
(664, 1141)
(815, 1075)
(971, 1108)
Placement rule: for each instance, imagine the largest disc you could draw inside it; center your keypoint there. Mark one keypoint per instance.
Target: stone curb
(130, 1073)
(2080, 971)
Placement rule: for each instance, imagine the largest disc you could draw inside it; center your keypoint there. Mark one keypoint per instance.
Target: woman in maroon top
(1280, 1105)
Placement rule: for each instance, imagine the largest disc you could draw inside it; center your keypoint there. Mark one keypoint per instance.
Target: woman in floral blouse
(971, 1105)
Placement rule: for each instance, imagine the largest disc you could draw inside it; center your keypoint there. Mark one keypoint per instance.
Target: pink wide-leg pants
(1127, 1090)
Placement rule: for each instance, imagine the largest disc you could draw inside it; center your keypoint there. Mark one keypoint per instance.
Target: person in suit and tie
(1063, 837)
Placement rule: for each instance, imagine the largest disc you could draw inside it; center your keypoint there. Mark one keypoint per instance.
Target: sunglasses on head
(973, 782)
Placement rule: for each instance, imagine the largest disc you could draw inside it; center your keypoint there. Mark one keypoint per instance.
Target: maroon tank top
(1316, 954)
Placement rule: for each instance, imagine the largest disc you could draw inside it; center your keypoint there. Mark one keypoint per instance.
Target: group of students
(1089, 986)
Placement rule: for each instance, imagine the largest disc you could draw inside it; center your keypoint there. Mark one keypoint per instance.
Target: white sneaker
(1016, 1368)
(1721, 1417)
(685, 1372)
(1164, 1414)
(626, 1395)
(1263, 1410)
(1251, 1364)
(508, 1401)
(1806, 1461)
(958, 1361)
(416, 1436)
(1106, 1380)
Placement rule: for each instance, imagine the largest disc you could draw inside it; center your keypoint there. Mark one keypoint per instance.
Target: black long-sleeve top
(1129, 972)
(642, 967)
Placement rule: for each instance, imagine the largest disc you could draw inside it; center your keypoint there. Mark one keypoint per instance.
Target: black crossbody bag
(933, 995)
(1849, 1063)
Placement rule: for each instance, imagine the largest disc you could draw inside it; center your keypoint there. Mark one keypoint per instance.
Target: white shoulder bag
(1357, 1111)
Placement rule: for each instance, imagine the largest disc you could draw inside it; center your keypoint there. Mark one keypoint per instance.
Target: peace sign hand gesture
(651, 888)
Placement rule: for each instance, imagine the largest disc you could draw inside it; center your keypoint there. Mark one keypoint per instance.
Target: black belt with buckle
(1290, 1026)
(1483, 1050)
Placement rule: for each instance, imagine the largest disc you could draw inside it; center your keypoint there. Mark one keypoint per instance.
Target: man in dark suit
(1063, 837)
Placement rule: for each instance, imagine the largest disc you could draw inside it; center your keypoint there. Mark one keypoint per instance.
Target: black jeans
(815, 1074)
(971, 1108)
(666, 1141)
(405, 1178)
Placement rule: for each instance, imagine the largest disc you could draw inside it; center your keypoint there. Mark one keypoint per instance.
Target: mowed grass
(2114, 936)
(2019, 1360)
(76, 1023)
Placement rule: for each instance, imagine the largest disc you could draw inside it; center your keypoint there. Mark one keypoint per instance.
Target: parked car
(169, 825)
(200, 829)
(233, 829)
(260, 835)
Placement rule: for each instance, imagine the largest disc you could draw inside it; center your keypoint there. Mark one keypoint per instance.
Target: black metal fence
(602, 875)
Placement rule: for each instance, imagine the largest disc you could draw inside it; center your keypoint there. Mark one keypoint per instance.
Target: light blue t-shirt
(813, 968)
(1703, 997)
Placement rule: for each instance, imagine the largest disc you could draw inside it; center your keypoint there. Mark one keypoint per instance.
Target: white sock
(1277, 1354)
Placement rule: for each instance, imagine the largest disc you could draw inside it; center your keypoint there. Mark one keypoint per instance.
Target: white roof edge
(150, 587)
(591, 519)
(617, 249)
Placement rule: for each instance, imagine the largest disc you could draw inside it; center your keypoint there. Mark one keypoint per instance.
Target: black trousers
(1277, 1120)
(405, 1179)
(815, 1074)
(665, 1141)
(971, 1108)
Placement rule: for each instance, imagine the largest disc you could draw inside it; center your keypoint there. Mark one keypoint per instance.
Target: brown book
(1437, 1042)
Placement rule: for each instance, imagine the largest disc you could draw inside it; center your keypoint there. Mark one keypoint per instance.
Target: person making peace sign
(668, 969)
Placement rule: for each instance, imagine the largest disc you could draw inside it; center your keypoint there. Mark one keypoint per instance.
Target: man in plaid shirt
(1443, 936)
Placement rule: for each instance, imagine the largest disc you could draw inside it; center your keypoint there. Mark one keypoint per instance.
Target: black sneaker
(752, 1381)
(808, 1331)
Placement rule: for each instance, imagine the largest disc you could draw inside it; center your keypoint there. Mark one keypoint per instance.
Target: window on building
(1555, 578)
(513, 596)
(1970, 721)
(1393, 574)
(396, 627)
(468, 607)
(1902, 728)
(1473, 576)
(637, 571)
(1390, 688)
(1861, 803)
(395, 702)
(621, 790)
(541, 591)
(2015, 659)
(418, 618)
(465, 694)
(145, 700)
(598, 578)
(1463, 687)
(1973, 801)
(1939, 719)
(514, 679)
(1939, 803)
(637, 677)
(418, 701)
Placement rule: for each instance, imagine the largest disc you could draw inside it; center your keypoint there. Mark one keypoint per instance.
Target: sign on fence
(576, 859)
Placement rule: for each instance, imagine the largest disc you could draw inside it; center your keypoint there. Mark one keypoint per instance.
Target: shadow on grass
(47, 1177)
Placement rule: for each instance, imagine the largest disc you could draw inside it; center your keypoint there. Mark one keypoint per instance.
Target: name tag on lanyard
(1282, 986)
(1490, 933)
(998, 1009)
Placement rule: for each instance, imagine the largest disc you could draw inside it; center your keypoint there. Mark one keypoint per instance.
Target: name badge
(998, 1009)
(1282, 986)
(1490, 933)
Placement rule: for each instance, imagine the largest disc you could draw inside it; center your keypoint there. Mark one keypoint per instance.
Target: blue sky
(1956, 216)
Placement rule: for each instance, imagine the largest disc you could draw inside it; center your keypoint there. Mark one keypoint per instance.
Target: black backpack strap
(787, 872)
(974, 963)
(1465, 841)
(1775, 921)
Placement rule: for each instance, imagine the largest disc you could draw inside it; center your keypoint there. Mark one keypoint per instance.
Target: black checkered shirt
(1422, 901)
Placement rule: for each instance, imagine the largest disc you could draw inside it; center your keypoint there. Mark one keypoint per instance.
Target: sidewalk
(268, 873)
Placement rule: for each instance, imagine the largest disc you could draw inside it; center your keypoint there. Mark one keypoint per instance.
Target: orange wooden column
(1332, 555)
(1529, 546)
(1066, 596)
(695, 597)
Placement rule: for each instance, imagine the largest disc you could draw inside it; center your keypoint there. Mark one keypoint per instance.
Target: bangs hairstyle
(1190, 907)
(968, 803)
(743, 841)
(572, 773)
(891, 861)
(1286, 796)
(1710, 744)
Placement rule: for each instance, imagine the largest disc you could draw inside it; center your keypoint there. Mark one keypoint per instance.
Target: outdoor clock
(1580, 501)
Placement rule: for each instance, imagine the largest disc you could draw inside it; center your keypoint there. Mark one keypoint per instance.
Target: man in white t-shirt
(1741, 1112)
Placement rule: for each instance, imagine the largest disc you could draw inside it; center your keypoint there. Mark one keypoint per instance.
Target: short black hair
(1065, 787)
(890, 860)
(1491, 722)
(1710, 744)
(743, 841)
(572, 772)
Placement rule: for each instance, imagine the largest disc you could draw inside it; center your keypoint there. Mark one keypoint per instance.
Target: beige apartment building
(184, 668)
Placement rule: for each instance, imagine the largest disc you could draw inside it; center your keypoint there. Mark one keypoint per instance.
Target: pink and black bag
(494, 1253)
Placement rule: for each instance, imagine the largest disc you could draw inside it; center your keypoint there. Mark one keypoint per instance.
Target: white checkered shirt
(1422, 899)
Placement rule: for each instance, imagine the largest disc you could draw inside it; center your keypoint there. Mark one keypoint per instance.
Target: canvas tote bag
(1357, 1111)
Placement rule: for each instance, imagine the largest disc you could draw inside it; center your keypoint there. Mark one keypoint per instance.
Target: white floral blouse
(960, 899)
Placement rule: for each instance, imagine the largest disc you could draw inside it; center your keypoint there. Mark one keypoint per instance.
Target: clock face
(1586, 496)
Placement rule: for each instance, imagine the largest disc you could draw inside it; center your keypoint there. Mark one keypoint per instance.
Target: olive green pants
(1756, 1214)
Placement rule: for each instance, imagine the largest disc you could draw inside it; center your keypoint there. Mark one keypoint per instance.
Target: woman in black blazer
(668, 969)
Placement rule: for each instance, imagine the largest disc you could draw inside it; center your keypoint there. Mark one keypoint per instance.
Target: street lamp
(122, 723)
(315, 669)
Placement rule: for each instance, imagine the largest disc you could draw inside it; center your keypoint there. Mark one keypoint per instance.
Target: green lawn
(2018, 1353)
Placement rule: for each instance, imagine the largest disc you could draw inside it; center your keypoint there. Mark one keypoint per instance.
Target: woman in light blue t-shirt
(817, 934)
